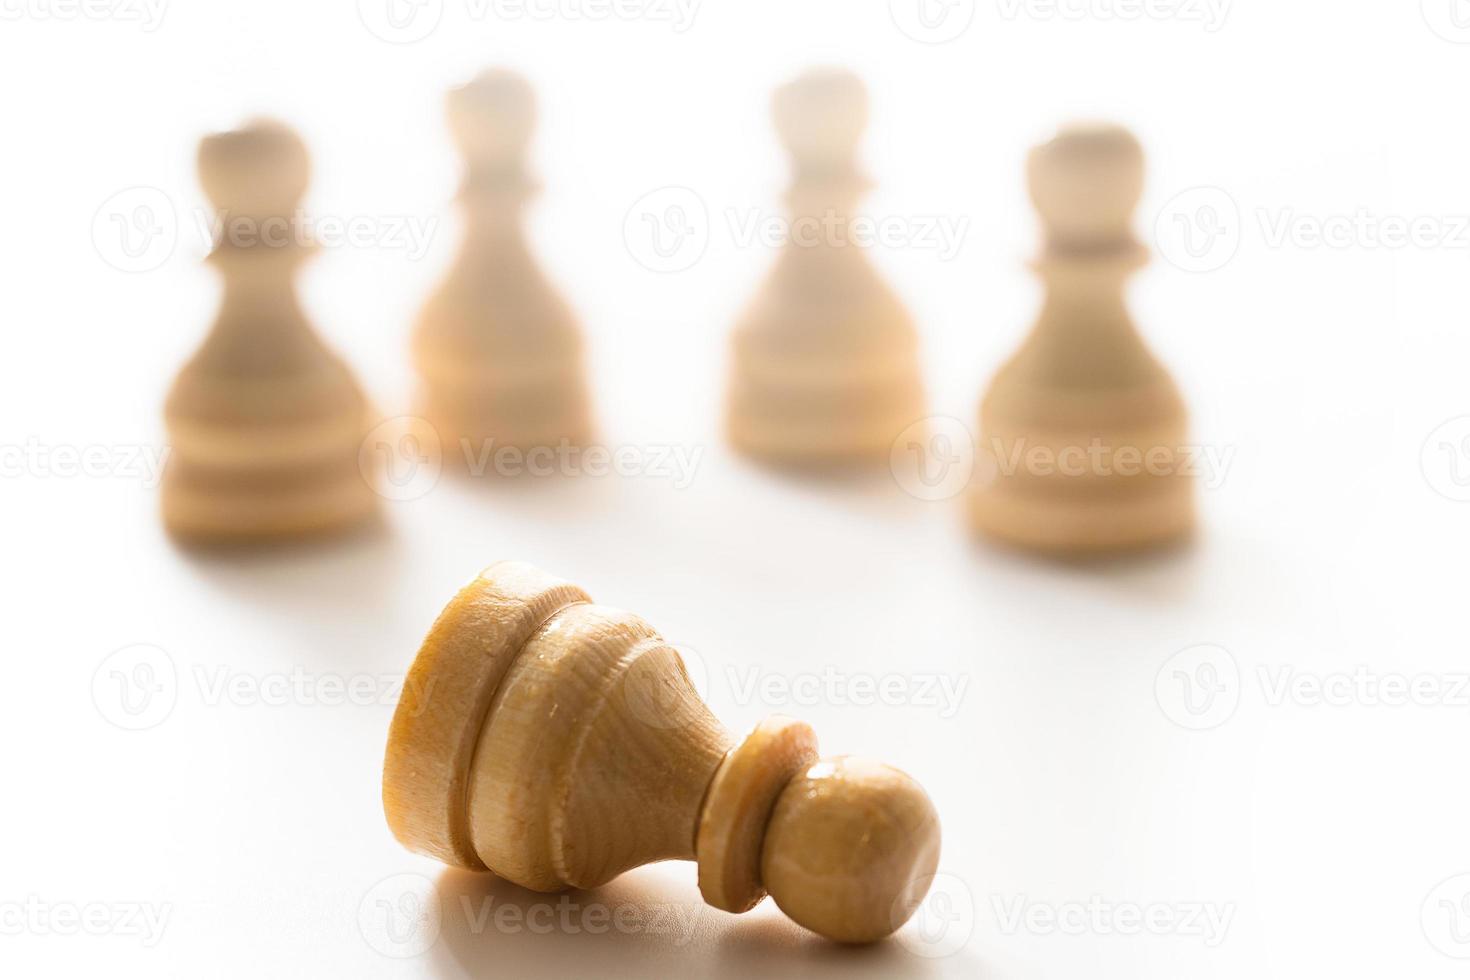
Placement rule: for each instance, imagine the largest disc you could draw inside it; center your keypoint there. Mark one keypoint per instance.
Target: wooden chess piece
(558, 744)
(265, 423)
(1083, 430)
(825, 362)
(498, 350)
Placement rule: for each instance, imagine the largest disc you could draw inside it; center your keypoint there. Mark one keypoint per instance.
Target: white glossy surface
(249, 816)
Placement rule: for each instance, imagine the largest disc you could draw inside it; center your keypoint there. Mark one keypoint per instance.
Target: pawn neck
(1085, 333)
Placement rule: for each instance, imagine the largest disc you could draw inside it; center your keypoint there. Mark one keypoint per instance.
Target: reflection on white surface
(643, 924)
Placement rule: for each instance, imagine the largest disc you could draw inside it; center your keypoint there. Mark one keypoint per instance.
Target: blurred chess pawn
(558, 743)
(498, 350)
(825, 361)
(265, 423)
(1082, 430)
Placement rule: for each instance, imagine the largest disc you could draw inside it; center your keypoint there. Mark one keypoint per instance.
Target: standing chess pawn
(265, 423)
(558, 744)
(825, 362)
(497, 348)
(1083, 429)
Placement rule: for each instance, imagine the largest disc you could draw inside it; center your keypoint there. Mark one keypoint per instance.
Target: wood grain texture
(741, 796)
(560, 743)
(446, 695)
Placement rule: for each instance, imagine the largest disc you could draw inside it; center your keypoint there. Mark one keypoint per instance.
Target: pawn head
(259, 169)
(821, 116)
(492, 116)
(1086, 183)
(850, 849)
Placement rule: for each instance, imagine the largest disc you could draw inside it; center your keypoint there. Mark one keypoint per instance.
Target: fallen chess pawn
(824, 363)
(1083, 430)
(265, 423)
(559, 743)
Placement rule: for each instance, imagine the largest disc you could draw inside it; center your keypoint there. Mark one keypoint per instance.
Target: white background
(1333, 545)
